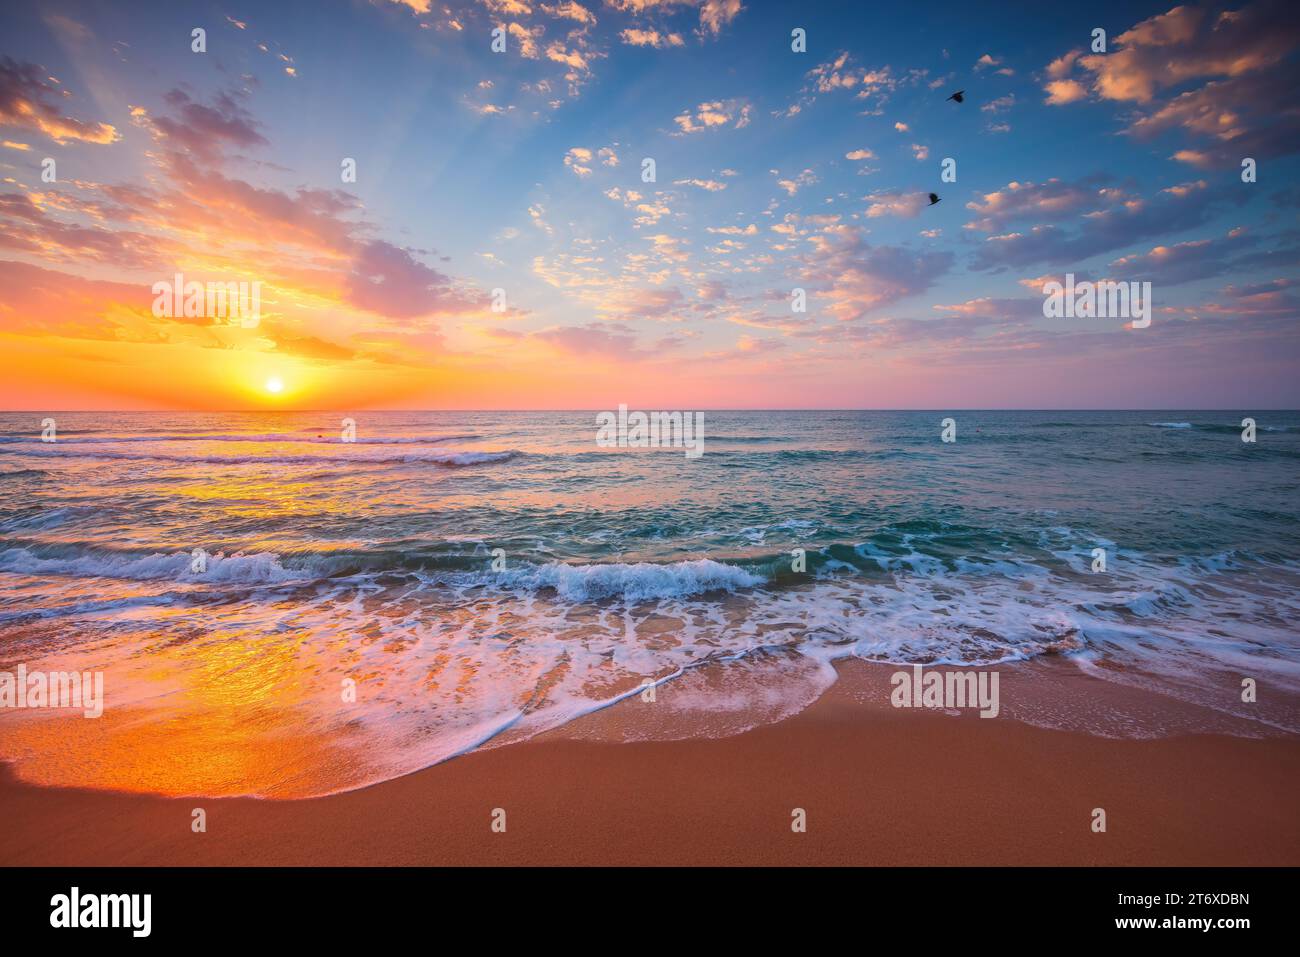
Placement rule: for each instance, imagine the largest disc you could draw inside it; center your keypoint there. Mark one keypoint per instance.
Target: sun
(274, 385)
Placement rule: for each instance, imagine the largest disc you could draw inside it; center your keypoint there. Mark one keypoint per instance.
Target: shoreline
(879, 786)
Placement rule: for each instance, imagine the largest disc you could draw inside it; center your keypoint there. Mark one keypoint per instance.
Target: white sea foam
(259, 567)
(462, 659)
(635, 582)
(641, 581)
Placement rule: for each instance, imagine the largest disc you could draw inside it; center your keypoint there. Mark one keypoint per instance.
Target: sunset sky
(522, 171)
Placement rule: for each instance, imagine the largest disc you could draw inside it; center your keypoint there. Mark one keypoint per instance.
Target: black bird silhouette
(956, 96)
(934, 198)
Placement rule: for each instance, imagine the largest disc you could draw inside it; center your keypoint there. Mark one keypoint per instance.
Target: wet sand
(879, 787)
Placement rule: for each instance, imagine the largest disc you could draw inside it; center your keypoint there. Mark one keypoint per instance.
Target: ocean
(279, 612)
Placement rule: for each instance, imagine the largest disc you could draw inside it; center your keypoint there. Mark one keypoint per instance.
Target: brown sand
(880, 787)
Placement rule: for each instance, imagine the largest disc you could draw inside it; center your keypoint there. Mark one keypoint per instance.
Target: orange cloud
(24, 103)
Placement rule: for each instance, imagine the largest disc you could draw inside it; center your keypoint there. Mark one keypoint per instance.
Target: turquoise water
(376, 558)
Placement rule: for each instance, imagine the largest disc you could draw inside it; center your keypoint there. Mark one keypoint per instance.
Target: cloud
(29, 228)
(575, 160)
(389, 280)
(574, 59)
(40, 301)
(25, 93)
(650, 213)
(895, 334)
(711, 185)
(713, 115)
(204, 129)
(537, 214)
(1108, 219)
(1275, 298)
(513, 8)
(997, 309)
(716, 14)
(1227, 120)
(840, 74)
(570, 10)
(855, 277)
(895, 203)
(43, 302)
(1248, 329)
(189, 215)
(660, 304)
(1060, 68)
(1235, 253)
(712, 291)
(999, 105)
(793, 185)
(594, 340)
(1024, 200)
(1189, 43)
(1061, 92)
(650, 38)
(312, 347)
(1246, 104)
(669, 247)
(527, 40)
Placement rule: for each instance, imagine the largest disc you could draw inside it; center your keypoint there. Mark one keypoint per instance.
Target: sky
(500, 245)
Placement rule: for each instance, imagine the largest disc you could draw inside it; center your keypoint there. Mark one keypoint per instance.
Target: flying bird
(934, 198)
(956, 96)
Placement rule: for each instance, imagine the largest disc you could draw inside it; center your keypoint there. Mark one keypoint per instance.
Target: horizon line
(718, 409)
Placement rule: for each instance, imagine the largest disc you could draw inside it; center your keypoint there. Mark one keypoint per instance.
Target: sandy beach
(879, 787)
